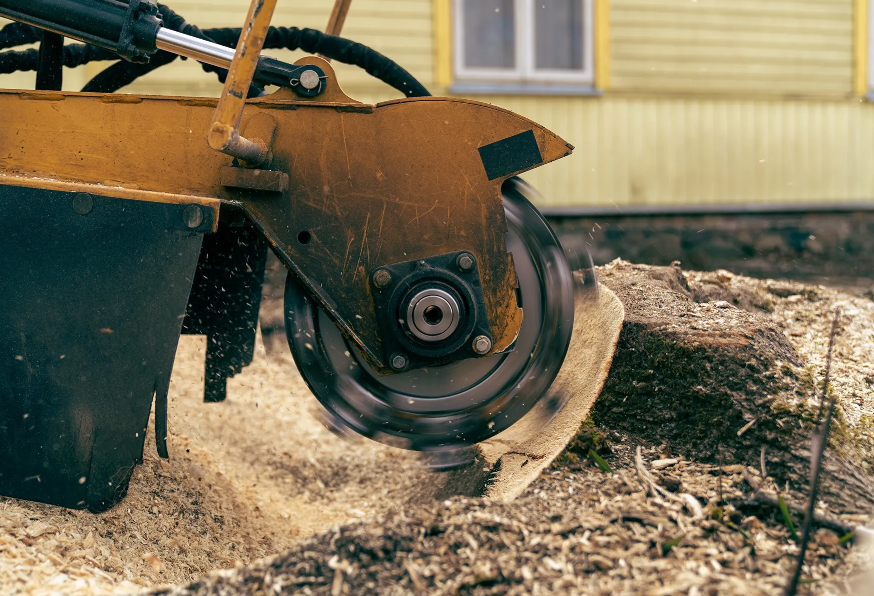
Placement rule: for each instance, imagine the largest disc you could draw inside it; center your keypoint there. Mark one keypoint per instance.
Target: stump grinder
(428, 304)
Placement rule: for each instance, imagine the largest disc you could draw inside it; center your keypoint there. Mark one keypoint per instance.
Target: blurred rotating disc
(444, 409)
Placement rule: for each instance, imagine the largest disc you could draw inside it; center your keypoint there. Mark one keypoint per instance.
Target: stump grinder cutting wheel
(428, 303)
(442, 408)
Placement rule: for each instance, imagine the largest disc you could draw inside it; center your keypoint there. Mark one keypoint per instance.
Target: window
(524, 41)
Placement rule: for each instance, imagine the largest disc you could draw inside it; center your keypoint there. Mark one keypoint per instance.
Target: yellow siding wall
(401, 29)
(736, 47)
(674, 151)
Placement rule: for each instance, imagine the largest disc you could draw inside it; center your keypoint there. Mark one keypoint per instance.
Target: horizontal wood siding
(675, 151)
(736, 47)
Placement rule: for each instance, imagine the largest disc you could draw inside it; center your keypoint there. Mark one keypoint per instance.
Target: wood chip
(153, 561)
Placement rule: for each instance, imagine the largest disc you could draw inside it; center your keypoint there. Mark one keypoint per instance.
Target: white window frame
(525, 71)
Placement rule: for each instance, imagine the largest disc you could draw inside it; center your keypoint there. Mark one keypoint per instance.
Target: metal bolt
(464, 261)
(192, 216)
(309, 80)
(398, 361)
(83, 203)
(381, 278)
(482, 344)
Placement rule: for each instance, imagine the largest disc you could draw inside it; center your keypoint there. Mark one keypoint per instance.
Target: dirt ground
(258, 475)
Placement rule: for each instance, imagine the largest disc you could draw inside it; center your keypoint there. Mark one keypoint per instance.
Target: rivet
(309, 79)
(83, 203)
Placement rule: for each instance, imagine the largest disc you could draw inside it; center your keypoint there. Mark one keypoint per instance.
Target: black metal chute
(91, 302)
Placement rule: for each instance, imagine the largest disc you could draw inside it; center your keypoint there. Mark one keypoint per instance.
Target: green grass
(667, 546)
(604, 466)
(786, 518)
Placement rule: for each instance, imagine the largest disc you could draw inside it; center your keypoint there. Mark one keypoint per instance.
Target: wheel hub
(433, 314)
(440, 407)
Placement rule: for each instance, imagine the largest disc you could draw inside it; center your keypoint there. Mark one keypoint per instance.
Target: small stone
(660, 464)
(826, 538)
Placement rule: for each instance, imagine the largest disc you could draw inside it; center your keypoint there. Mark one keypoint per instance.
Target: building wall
(713, 102)
(682, 151)
(731, 47)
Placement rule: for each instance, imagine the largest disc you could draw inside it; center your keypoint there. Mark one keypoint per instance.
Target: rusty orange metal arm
(338, 17)
(224, 133)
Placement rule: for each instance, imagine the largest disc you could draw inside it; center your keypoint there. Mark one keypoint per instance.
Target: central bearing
(433, 314)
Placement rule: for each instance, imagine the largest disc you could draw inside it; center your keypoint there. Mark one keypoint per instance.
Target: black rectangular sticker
(511, 155)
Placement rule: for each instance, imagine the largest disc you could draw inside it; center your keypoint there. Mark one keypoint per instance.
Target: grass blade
(785, 511)
(599, 461)
(667, 546)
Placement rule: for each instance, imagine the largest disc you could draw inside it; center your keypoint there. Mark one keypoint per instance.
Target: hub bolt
(398, 361)
(464, 261)
(482, 344)
(381, 278)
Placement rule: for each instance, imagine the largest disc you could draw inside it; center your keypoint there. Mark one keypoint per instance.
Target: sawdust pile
(704, 530)
(575, 531)
(258, 475)
(247, 478)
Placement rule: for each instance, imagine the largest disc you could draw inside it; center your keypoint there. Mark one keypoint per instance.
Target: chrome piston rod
(194, 48)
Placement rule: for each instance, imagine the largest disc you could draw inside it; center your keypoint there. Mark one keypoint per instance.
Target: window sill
(492, 88)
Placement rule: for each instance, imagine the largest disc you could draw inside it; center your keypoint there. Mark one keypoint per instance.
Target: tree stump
(705, 363)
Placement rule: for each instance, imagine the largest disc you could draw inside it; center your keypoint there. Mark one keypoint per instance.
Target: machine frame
(340, 190)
